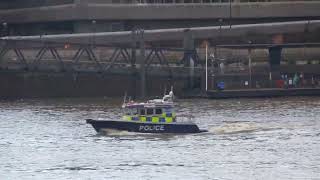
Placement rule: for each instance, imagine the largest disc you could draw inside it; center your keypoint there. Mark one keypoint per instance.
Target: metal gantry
(48, 56)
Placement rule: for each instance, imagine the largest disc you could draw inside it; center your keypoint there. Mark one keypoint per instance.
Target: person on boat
(169, 97)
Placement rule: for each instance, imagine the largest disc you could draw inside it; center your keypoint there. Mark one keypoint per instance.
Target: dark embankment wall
(29, 85)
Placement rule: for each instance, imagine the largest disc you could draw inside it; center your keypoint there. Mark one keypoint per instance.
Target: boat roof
(165, 102)
(157, 103)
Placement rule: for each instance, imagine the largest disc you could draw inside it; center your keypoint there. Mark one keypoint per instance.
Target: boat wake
(239, 127)
(137, 135)
(113, 132)
(126, 135)
(226, 128)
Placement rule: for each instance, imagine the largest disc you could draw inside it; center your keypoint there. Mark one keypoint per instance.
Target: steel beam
(167, 63)
(3, 52)
(236, 33)
(57, 57)
(21, 58)
(93, 57)
(38, 58)
(112, 60)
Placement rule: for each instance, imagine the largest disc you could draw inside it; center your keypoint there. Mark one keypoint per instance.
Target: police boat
(153, 116)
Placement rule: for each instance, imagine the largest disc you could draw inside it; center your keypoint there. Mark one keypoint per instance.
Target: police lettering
(152, 128)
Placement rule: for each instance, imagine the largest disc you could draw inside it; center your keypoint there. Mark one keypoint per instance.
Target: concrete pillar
(142, 64)
(188, 41)
(250, 67)
(134, 73)
(274, 62)
(4, 29)
(188, 46)
(275, 57)
(191, 73)
(133, 50)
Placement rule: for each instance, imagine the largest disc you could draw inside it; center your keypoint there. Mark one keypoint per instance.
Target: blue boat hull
(145, 127)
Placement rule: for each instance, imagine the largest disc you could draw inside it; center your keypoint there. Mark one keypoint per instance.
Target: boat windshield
(131, 111)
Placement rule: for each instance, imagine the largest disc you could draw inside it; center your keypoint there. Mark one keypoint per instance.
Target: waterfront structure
(72, 38)
(36, 17)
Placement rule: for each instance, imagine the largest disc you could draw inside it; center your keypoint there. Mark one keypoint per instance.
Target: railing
(185, 1)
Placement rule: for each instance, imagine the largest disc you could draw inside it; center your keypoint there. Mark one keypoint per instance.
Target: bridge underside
(83, 16)
(265, 33)
(169, 48)
(107, 47)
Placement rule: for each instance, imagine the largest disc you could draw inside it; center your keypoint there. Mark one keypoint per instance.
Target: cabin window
(168, 110)
(131, 111)
(158, 111)
(134, 111)
(126, 111)
(149, 111)
(142, 112)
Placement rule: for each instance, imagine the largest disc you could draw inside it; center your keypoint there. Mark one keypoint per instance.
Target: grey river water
(276, 138)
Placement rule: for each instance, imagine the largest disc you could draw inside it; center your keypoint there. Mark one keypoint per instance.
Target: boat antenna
(125, 97)
(165, 91)
(171, 94)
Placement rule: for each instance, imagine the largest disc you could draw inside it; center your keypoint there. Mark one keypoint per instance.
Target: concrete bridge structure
(83, 16)
(69, 36)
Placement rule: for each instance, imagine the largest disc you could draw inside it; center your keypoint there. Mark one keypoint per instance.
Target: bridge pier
(189, 57)
(133, 65)
(142, 69)
(274, 62)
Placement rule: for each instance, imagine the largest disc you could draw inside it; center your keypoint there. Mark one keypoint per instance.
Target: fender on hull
(145, 127)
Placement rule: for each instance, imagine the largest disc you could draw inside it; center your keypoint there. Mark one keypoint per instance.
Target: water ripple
(276, 138)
